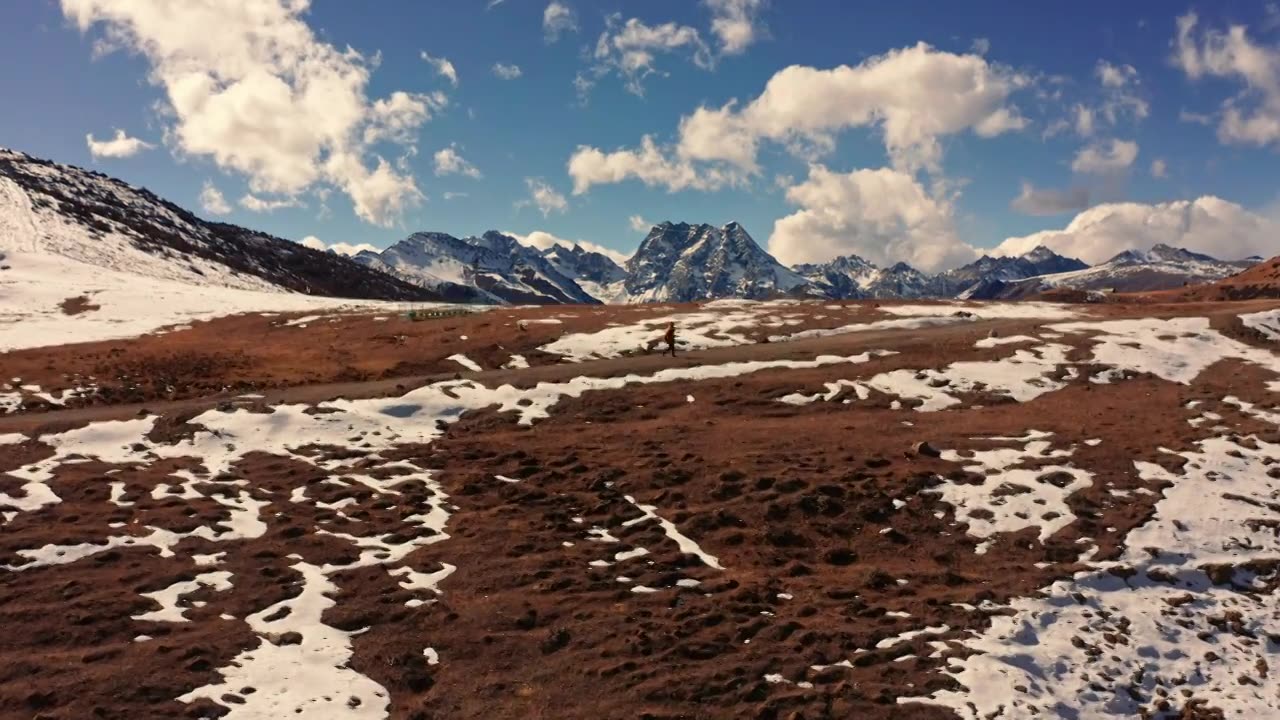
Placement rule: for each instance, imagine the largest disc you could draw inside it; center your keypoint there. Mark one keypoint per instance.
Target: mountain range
(88, 217)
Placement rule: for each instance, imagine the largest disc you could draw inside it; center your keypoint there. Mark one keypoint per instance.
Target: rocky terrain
(816, 509)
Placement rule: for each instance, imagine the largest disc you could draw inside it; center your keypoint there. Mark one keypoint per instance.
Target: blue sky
(77, 67)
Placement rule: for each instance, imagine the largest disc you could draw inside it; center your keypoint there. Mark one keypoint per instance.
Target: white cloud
(449, 162)
(1084, 120)
(1196, 118)
(557, 19)
(629, 48)
(507, 72)
(454, 195)
(734, 23)
(212, 200)
(544, 197)
(121, 146)
(1048, 201)
(1115, 76)
(493, 4)
(1252, 117)
(914, 95)
(1120, 84)
(253, 203)
(347, 249)
(1208, 224)
(1159, 169)
(980, 46)
(250, 86)
(639, 224)
(544, 240)
(443, 67)
(883, 215)
(397, 117)
(1117, 98)
(1105, 157)
(589, 166)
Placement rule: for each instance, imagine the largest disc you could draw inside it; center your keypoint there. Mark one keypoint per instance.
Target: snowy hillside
(54, 209)
(39, 308)
(494, 264)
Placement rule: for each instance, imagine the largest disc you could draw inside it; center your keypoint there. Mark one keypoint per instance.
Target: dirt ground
(827, 535)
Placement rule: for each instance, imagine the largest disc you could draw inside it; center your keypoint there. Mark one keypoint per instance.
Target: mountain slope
(494, 264)
(87, 217)
(980, 278)
(1160, 268)
(684, 263)
(1259, 281)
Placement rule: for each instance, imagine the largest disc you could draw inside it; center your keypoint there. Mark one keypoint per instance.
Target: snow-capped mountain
(850, 277)
(988, 274)
(684, 263)
(496, 265)
(594, 272)
(1161, 268)
(86, 217)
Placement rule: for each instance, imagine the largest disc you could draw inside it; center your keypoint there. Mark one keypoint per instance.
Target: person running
(669, 337)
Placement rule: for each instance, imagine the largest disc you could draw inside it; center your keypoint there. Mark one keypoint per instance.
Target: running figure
(670, 339)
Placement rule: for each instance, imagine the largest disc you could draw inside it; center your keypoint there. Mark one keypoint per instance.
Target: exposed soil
(824, 519)
(77, 305)
(255, 353)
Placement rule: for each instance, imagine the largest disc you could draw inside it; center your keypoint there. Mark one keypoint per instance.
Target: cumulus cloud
(253, 203)
(347, 249)
(1159, 169)
(250, 86)
(545, 240)
(915, 96)
(589, 166)
(544, 197)
(735, 24)
(397, 117)
(1104, 158)
(443, 67)
(213, 201)
(1048, 201)
(883, 215)
(120, 146)
(449, 162)
(507, 72)
(454, 195)
(1252, 117)
(980, 46)
(1208, 225)
(557, 19)
(639, 224)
